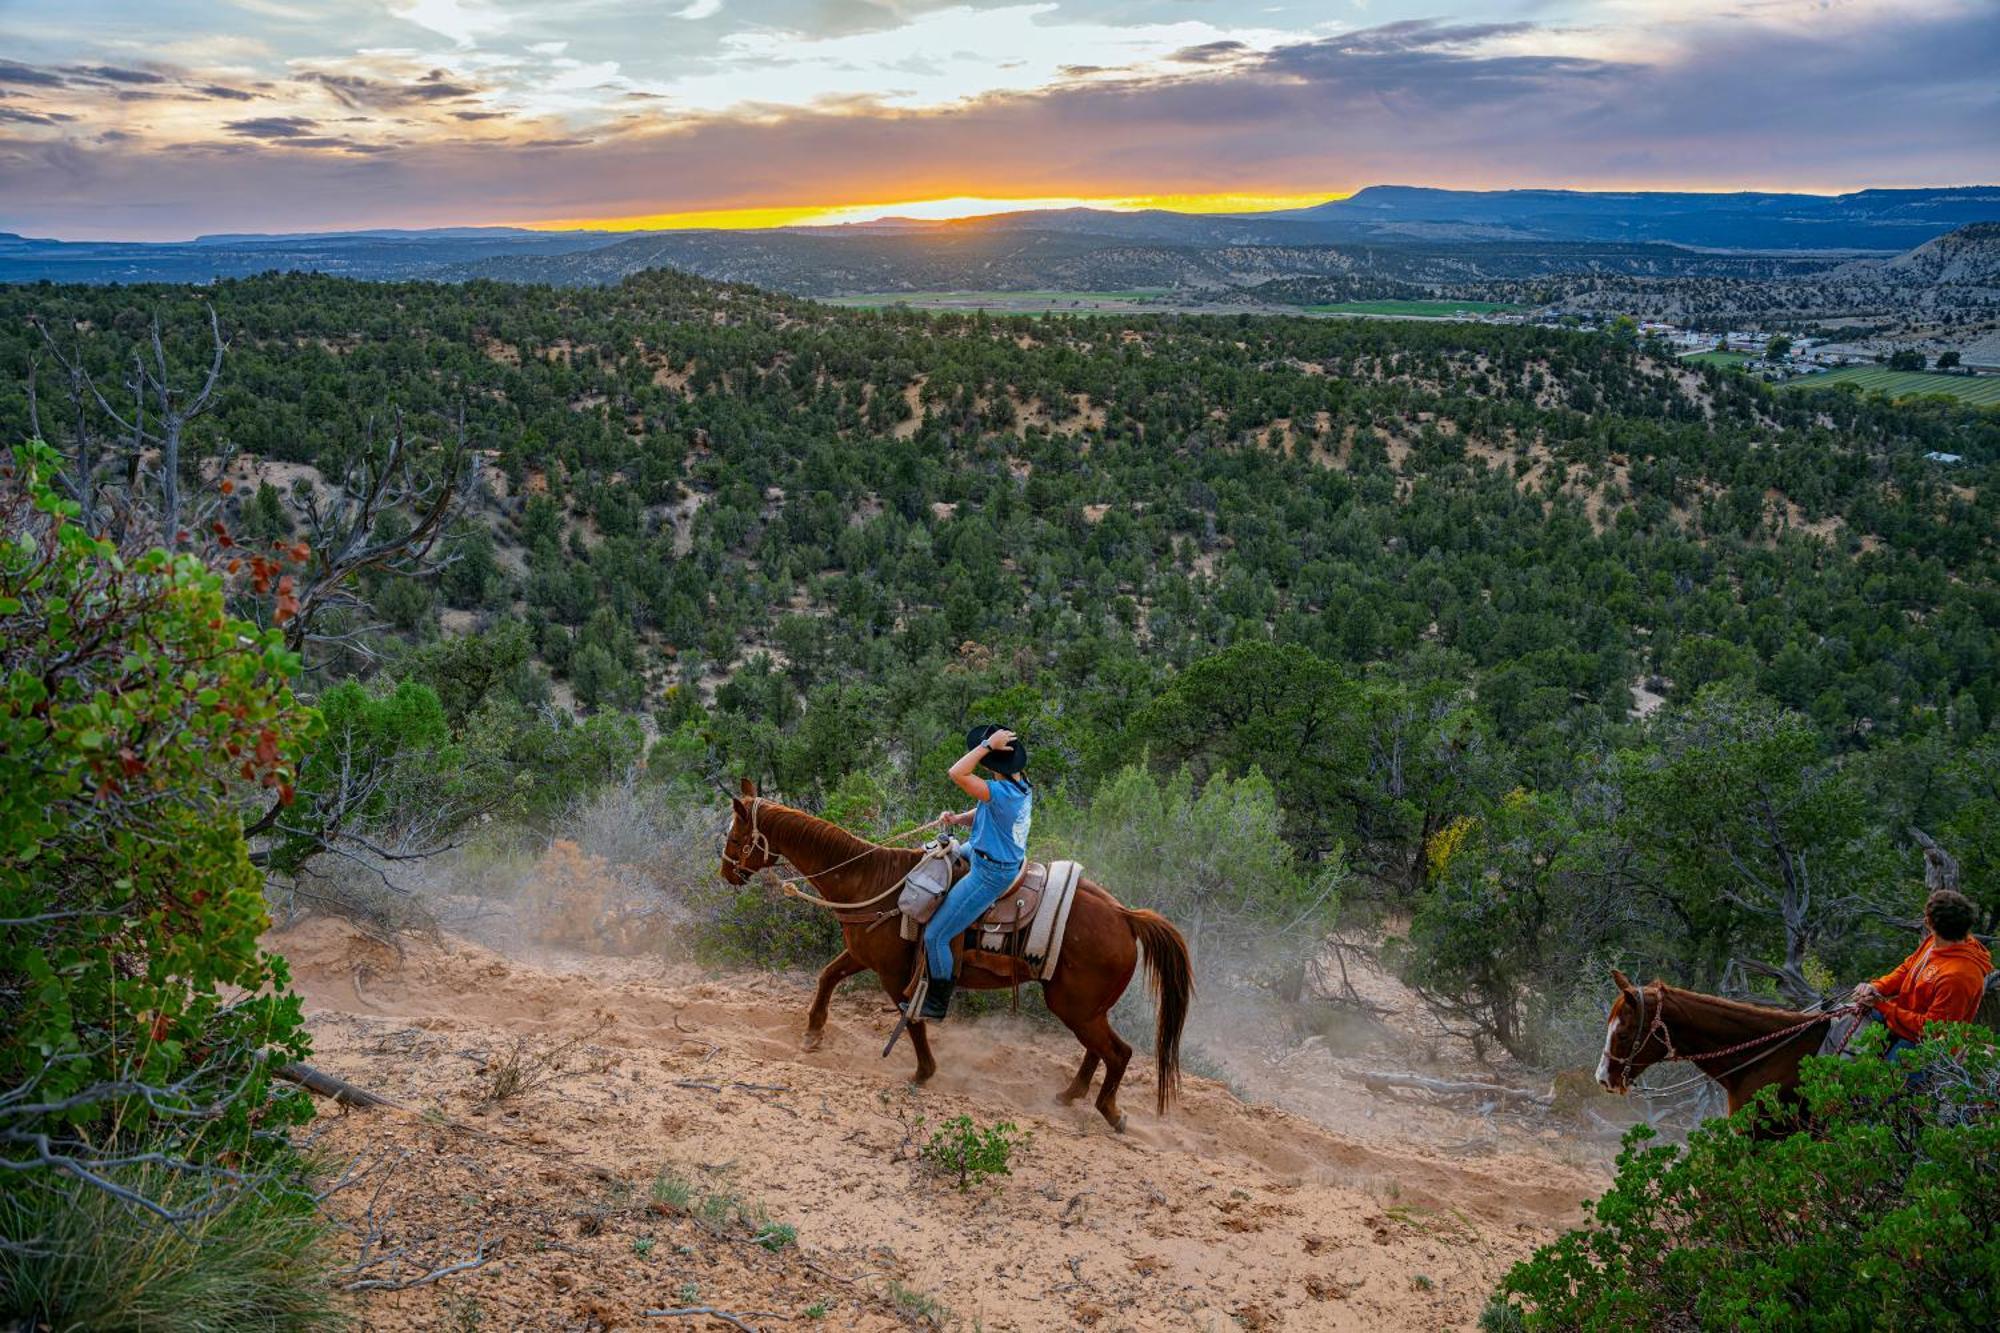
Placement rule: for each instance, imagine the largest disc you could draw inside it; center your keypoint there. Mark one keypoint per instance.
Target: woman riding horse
(999, 846)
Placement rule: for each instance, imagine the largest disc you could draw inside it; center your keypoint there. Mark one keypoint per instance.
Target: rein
(1659, 1026)
(789, 884)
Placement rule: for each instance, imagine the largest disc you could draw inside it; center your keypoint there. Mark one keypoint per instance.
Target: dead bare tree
(344, 528)
(153, 448)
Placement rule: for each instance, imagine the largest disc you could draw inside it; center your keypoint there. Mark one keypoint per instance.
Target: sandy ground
(1375, 1213)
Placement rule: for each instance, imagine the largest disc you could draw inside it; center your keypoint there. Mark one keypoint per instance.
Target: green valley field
(1727, 359)
(1981, 389)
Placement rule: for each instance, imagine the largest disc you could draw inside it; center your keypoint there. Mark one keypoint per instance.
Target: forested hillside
(1569, 652)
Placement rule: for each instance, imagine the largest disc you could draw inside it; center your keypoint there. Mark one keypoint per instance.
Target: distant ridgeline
(1380, 234)
(682, 474)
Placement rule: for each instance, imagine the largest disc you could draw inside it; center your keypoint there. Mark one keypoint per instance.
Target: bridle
(760, 845)
(1647, 1031)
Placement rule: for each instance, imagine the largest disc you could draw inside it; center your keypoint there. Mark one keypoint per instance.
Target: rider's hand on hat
(1000, 741)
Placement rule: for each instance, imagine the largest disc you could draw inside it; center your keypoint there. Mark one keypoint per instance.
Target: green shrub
(136, 718)
(757, 925)
(1882, 1215)
(139, 1019)
(967, 1155)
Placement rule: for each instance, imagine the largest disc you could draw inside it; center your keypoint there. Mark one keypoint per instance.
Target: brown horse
(1744, 1047)
(1100, 950)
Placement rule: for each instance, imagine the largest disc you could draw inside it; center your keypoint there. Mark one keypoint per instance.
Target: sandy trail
(1224, 1215)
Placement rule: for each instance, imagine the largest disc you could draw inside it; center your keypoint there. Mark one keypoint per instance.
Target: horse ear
(1624, 982)
(749, 789)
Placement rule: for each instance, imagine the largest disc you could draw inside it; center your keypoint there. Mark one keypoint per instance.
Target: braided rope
(1673, 1056)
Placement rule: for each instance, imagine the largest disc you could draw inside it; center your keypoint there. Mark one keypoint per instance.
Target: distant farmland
(1717, 358)
(1418, 309)
(1981, 389)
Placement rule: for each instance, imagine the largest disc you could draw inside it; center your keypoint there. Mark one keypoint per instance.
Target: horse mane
(1741, 1008)
(819, 839)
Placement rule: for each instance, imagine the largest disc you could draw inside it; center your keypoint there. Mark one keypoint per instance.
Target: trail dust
(1223, 1215)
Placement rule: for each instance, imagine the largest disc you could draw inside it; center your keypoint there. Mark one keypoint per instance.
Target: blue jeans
(968, 899)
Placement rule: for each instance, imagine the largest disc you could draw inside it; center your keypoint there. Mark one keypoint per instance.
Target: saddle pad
(1045, 932)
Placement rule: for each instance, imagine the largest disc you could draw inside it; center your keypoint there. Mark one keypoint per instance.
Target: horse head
(1635, 1034)
(748, 850)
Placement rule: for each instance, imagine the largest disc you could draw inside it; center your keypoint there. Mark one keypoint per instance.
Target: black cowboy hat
(1005, 762)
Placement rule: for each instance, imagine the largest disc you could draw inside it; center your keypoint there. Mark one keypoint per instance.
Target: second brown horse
(1744, 1047)
(1100, 951)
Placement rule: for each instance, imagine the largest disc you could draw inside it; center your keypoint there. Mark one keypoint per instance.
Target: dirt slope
(1224, 1215)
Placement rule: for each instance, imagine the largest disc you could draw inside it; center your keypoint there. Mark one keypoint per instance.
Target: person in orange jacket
(1940, 983)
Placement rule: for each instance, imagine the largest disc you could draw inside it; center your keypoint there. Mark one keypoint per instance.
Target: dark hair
(1951, 914)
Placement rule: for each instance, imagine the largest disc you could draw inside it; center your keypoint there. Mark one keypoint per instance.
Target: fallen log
(323, 1084)
(1381, 1080)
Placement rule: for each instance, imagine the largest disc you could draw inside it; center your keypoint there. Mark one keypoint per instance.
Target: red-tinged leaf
(130, 761)
(249, 770)
(235, 566)
(285, 793)
(228, 486)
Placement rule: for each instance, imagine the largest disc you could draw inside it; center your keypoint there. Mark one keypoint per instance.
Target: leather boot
(937, 999)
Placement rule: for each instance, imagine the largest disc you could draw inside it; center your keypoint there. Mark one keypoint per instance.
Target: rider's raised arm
(968, 781)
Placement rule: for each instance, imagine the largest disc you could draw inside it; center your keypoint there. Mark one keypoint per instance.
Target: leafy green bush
(1882, 1215)
(967, 1155)
(1211, 857)
(757, 925)
(139, 1019)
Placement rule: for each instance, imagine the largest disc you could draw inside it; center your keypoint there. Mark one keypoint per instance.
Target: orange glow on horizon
(929, 210)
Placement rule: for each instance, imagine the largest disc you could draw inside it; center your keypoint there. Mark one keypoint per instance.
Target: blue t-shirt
(1000, 822)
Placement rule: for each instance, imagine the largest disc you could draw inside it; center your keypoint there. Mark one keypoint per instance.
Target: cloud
(273, 127)
(1209, 53)
(700, 9)
(221, 92)
(357, 90)
(29, 76)
(114, 74)
(464, 21)
(21, 116)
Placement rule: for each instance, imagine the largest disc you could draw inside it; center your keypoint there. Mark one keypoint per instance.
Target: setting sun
(931, 210)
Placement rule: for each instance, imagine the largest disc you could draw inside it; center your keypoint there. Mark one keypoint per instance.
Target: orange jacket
(1939, 983)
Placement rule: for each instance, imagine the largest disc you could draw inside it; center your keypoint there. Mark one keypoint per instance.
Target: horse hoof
(810, 1042)
(1118, 1125)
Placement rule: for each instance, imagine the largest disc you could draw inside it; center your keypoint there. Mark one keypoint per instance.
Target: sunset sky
(164, 120)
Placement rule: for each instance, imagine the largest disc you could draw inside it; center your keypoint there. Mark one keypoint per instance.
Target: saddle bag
(927, 885)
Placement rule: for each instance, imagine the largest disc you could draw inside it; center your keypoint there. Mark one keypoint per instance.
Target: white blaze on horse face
(1604, 1060)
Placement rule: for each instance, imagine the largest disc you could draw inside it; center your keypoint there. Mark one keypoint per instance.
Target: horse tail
(1170, 976)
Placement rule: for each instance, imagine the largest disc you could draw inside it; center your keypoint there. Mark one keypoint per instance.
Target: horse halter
(760, 846)
(1647, 1030)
